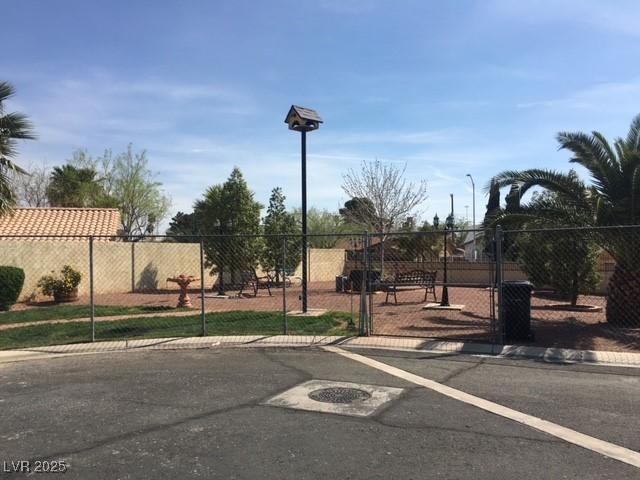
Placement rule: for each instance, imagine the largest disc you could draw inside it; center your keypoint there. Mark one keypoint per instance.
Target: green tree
(230, 209)
(14, 126)
(70, 186)
(140, 198)
(280, 222)
(360, 212)
(324, 228)
(183, 227)
(423, 243)
(125, 182)
(611, 198)
(565, 261)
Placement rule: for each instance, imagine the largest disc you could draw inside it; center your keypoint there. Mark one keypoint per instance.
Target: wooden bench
(250, 279)
(415, 279)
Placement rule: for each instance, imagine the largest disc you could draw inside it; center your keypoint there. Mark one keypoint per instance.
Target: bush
(564, 260)
(65, 285)
(11, 283)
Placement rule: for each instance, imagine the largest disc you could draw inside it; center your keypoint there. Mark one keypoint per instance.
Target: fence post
(202, 309)
(284, 285)
(133, 267)
(499, 281)
(364, 317)
(91, 291)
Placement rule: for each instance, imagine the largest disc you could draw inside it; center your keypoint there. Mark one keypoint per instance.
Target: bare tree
(383, 197)
(31, 187)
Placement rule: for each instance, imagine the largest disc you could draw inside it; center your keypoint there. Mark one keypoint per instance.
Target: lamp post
(303, 120)
(473, 188)
(449, 225)
(444, 301)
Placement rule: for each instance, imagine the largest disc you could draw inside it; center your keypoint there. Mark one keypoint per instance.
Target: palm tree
(70, 186)
(612, 198)
(13, 126)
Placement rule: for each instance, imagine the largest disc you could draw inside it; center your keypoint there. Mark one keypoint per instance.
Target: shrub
(565, 261)
(11, 283)
(64, 285)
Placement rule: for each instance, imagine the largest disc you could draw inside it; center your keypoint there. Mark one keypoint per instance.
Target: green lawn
(219, 323)
(59, 312)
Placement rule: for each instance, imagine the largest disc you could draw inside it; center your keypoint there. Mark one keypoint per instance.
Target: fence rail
(583, 287)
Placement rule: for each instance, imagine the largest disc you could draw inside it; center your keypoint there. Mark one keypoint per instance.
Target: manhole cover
(339, 395)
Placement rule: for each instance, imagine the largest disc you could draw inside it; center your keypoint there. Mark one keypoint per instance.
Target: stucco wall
(121, 267)
(124, 267)
(118, 266)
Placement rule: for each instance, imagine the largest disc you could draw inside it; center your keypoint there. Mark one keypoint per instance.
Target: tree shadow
(148, 281)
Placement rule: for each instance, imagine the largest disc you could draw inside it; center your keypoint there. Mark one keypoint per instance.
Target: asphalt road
(201, 414)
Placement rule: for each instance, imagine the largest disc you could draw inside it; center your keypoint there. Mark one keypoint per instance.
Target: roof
(28, 221)
(304, 113)
(469, 234)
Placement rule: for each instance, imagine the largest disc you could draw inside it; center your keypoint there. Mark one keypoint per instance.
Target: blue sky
(447, 88)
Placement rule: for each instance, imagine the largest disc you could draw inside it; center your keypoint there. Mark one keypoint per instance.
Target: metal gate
(433, 284)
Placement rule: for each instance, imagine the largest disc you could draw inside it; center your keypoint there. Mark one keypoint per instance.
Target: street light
(449, 225)
(473, 187)
(303, 120)
(444, 301)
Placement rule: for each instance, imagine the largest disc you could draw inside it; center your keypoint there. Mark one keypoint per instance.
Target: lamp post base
(438, 306)
(444, 302)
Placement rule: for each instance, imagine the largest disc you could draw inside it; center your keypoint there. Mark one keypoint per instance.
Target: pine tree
(225, 211)
(278, 226)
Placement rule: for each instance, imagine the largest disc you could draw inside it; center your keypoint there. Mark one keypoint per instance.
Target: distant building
(55, 223)
(467, 244)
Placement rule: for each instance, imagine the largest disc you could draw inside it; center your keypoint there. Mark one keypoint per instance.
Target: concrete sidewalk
(559, 355)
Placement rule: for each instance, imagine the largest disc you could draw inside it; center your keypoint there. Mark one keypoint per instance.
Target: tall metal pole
(304, 221)
(91, 291)
(284, 285)
(473, 188)
(444, 301)
(203, 316)
(499, 279)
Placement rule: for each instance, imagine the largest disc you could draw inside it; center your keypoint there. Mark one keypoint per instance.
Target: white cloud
(610, 97)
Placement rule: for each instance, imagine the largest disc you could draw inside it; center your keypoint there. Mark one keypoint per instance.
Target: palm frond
(568, 185)
(7, 195)
(606, 149)
(589, 152)
(6, 91)
(633, 137)
(14, 126)
(635, 192)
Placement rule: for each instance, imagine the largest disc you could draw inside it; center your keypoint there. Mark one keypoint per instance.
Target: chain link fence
(571, 288)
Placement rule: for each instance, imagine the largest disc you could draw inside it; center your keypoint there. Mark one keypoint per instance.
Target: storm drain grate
(339, 395)
(342, 398)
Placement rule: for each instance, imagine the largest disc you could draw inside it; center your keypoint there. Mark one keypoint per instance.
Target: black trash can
(342, 283)
(516, 310)
(355, 279)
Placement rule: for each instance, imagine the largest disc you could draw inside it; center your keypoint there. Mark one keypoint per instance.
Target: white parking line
(580, 439)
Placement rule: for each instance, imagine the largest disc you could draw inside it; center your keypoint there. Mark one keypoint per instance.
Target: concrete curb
(558, 355)
(549, 354)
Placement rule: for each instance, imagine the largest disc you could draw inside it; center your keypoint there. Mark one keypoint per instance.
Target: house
(31, 223)
(467, 244)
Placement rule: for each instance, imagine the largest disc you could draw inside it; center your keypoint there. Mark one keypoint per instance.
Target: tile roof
(61, 221)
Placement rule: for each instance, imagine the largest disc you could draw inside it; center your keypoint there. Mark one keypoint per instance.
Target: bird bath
(183, 282)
